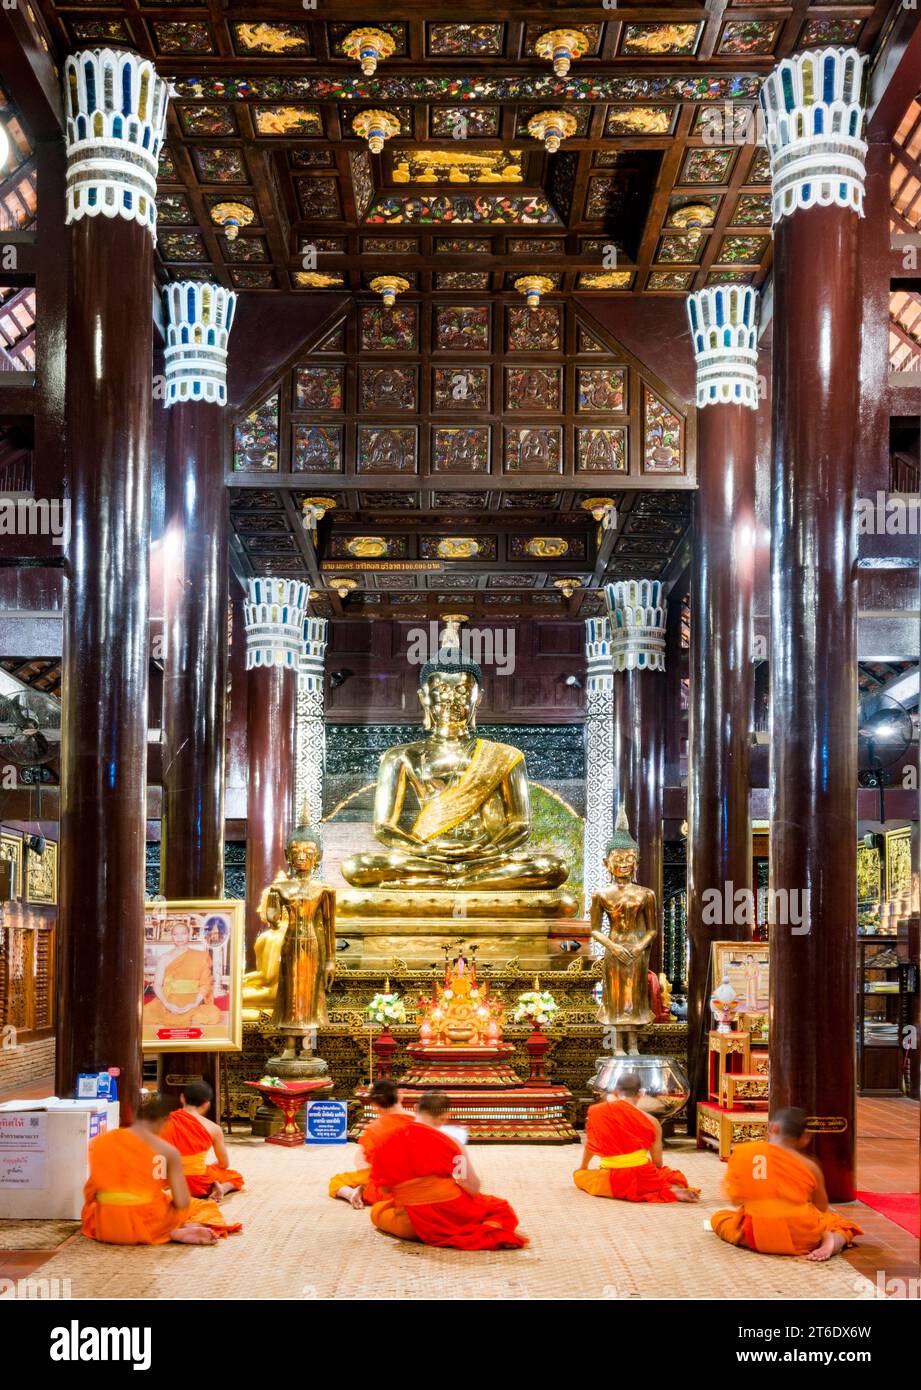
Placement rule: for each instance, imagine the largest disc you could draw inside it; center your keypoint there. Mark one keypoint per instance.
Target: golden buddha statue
(632, 926)
(305, 911)
(453, 810)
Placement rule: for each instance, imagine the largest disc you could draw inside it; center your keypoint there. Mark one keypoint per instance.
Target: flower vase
(384, 1045)
(538, 1045)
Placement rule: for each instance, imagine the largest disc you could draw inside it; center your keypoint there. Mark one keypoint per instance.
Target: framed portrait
(193, 973)
(42, 874)
(747, 963)
(11, 849)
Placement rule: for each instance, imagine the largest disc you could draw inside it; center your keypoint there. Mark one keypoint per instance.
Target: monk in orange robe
(356, 1187)
(781, 1202)
(628, 1143)
(194, 1136)
(125, 1202)
(434, 1192)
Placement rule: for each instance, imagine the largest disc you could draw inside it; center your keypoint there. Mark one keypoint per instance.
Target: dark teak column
(195, 589)
(724, 338)
(111, 183)
(274, 641)
(638, 613)
(199, 317)
(813, 599)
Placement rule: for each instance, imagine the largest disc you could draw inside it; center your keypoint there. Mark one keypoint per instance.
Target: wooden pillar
(195, 580)
(195, 590)
(274, 639)
(638, 615)
(111, 182)
(724, 339)
(818, 198)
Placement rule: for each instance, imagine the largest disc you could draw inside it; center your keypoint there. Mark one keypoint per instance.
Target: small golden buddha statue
(307, 955)
(453, 809)
(632, 927)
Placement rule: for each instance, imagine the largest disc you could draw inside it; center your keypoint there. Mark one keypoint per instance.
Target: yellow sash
(122, 1199)
(193, 1165)
(634, 1160)
(489, 764)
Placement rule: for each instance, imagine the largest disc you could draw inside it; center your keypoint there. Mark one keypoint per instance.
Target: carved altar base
(488, 1097)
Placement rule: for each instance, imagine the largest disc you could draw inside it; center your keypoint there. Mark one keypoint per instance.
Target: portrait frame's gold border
(14, 839)
(29, 894)
(235, 909)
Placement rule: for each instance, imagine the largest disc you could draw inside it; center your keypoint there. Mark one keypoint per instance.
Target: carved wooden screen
(27, 975)
(487, 390)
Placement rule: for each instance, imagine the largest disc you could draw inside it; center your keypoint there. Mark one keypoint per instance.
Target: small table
(289, 1098)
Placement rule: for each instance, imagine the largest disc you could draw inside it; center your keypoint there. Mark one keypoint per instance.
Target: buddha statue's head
(304, 848)
(450, 691)
(623, 853)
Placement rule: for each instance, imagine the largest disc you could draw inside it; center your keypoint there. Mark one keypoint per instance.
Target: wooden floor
(887, 1161)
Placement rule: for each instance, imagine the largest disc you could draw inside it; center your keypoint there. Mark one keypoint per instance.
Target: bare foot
(193, 1234)
(224, 1188)
(686, 1194)
(215, 1192)
(831, 1243)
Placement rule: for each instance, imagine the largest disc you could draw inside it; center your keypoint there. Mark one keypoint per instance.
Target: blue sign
(327, 1122)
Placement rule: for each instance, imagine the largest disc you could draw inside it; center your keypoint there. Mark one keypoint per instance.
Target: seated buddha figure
(453, 809)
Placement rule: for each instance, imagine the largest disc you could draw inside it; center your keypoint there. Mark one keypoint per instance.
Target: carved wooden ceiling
(658, 167)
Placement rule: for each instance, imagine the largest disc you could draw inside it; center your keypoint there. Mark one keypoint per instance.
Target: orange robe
(369, 1142)
(621, 1136)
(184, 979)
(416, 1166)
(125, 1203)
(186, 1133)
(776, 1215)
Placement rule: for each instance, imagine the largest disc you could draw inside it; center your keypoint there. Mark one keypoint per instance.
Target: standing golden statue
(632, 927)
(307, 958)
(453, 809)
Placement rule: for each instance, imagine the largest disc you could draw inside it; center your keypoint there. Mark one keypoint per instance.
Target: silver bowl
(664, 1082)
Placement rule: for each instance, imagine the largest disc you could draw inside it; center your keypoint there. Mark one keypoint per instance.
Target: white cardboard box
(43, 1155)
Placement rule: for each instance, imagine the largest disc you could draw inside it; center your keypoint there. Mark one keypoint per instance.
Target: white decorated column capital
(598, 655)
(313, 653)
(115, 113)
(199, 317)
(638, 609)
(724, 336)
(274, 616)
(813, 111)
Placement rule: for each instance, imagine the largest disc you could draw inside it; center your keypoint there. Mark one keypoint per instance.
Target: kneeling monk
(629, 1144)
(434, 1192)
(356, 1187)
(125, 1201)
(780, 1197)
(194, 1136)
